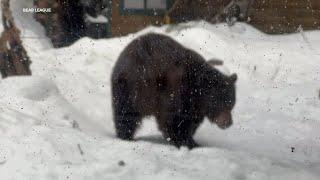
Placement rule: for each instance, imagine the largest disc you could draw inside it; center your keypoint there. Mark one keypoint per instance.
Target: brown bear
(156, 76)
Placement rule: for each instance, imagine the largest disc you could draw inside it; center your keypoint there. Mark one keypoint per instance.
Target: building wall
(188, 10)
(270, 16)
(285, 16)
(129, 23)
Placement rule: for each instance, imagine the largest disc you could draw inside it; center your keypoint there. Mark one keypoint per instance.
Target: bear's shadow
(156, 139)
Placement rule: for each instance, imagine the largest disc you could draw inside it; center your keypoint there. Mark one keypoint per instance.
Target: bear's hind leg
(126, 124)
(126, 117)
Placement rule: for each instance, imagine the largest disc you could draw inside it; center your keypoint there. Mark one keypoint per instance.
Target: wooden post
(13, 57)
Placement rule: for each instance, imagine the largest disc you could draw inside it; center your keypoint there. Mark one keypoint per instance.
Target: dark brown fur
(155, 75)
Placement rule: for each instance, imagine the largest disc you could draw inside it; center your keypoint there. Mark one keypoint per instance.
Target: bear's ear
(233, 78)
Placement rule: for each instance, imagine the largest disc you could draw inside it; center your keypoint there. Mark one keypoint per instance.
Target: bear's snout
(224, 120)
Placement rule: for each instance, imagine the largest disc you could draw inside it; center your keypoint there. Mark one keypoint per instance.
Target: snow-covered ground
(57, 124)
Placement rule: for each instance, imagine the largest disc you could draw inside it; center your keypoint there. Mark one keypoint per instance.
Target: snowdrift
(58, 124)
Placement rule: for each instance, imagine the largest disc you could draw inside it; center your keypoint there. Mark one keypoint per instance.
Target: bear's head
(220, 99)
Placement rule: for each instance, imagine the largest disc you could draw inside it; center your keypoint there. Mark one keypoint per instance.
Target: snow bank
(57, 124)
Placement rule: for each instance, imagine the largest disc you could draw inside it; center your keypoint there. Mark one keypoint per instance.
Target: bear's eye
(226, 98)
(228, 102)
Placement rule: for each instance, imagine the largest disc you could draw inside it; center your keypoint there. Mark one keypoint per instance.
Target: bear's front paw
(189, 143)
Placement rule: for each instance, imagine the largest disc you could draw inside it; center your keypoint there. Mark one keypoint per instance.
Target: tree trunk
(13, 57)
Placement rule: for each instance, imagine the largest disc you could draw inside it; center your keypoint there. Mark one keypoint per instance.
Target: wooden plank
(314, 4)
(293, 14)
(275, 16)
